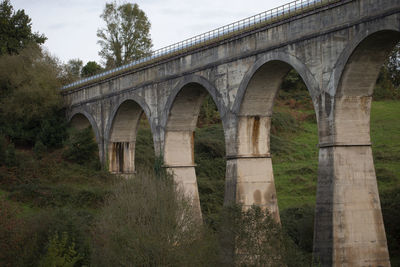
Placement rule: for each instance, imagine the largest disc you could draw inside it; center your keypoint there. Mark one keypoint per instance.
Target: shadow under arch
(181, 113)
(121, 132)
(347, 185)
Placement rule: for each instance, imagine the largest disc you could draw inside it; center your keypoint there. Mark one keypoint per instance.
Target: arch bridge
(337, 47)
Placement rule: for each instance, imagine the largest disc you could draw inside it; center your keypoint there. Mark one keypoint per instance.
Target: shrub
(81, 147)
(252, 237)
(298, 223)
(390, 202)
(149, 222)
(60, 252)
(11, 233)
(39, 149)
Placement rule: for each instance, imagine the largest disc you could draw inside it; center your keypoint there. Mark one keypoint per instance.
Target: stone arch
(348, 218)
(253, 108)
(194, 79)
(121, 133)
(180, 119)
(81, 119)
(341, 63)
(354, 87)
(290, 60)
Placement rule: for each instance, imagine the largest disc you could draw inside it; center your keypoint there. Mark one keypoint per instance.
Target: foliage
(30, 105)
(81, 147)
(16, 30)
(144, 147)
(385, 88)
(209, 113)
(73, 69)
(390, 202)
(149, 222)
(7, 153)
(393, 66)
(209, 150)
(60, 252)
(11, 234)
(91, 68)
(126, 36)
(298, 223)
(256, 238)
(39, 149)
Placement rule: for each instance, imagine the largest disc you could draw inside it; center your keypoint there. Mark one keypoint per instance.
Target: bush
(390, 202)
(39, 149)
(29, 100)
(253, 238)
(60, 252)
(81, 147)
(298, 223)
(149, 222)
(12, 234)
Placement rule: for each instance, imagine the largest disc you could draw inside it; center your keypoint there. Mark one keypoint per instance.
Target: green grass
(296, 172)
(385, 135)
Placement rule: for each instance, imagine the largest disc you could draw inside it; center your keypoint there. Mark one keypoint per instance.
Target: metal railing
(270, 16)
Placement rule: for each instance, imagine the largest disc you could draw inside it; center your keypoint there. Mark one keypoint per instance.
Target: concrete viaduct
(337, 47)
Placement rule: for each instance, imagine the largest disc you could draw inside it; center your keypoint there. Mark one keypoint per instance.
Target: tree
(16, 30)
(73, 68)
(91, 68)
(126, 36)
(393, 66)
(30, 103)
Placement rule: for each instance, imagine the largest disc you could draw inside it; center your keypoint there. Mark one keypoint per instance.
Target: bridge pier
(349, 229)
(122, 157)
(252, 183)
(179, 162)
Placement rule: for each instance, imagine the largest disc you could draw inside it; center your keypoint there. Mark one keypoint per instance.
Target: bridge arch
(291, 61)
(347, 194)
(121, 132)
(254, 107)
(180, 120)
(81, 119)
(340, 65)
(193, 79)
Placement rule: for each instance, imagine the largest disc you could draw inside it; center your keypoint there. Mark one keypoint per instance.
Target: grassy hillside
(294, 148)
(44, 195)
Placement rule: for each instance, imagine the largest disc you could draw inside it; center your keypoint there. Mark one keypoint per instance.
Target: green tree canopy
(91, 68)
(73, 68)
(16, 30)
(30, 103)
(126, 36)
(393, 66)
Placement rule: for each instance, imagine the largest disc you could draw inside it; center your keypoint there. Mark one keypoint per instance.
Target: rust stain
(119, 151)
(257, 197)
(255, 134)
(271, 201)
(113, 157)
(192, 145)
(365, 100)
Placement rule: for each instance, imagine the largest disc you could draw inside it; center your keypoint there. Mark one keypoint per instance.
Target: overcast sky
(71, 25)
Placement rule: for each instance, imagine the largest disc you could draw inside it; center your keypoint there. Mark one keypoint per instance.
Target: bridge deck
(265, 19)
